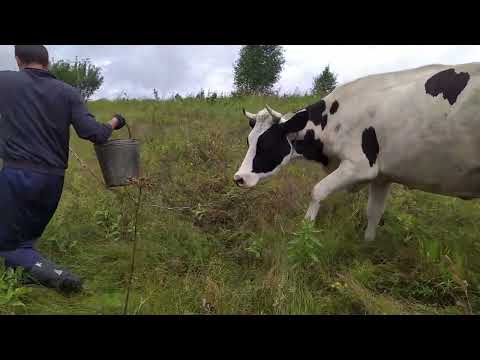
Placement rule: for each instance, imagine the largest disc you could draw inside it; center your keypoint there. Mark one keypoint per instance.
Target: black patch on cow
(272, 147)
(315, 112)
(448, 83)
(334, 107)
(296, 123)
(311, 148)
(323, 122)
(370, 145)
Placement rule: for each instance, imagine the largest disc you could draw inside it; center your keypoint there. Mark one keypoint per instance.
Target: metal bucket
(119, 160)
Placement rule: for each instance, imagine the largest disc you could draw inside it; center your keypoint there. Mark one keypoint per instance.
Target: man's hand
(117, 122)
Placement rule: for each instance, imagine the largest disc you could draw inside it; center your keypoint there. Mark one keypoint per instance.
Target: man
(36, 111)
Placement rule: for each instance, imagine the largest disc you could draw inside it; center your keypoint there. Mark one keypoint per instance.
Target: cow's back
(428, 139)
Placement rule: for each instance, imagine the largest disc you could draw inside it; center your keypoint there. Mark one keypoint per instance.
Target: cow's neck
(305, 145)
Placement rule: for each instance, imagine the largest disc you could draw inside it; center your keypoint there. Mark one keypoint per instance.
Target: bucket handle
(129, 131)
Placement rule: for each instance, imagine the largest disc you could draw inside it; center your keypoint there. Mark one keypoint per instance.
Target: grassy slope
(247, 252)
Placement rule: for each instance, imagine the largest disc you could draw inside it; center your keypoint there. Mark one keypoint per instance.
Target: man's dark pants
(28, 201)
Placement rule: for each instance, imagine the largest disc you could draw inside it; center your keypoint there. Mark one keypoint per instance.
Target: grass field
(208, 247)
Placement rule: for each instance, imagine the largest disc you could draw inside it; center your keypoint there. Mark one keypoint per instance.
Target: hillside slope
(206, 246)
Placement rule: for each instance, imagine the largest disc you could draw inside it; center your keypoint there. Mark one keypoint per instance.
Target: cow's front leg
(377, 199)
(346, 175)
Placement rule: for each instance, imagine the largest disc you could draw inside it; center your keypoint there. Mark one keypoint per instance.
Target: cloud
(7, 60)
(169, 69)
(185, 69)
(353, 61)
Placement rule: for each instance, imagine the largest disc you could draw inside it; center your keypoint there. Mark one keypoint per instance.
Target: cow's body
(424, 142)
(419, 128)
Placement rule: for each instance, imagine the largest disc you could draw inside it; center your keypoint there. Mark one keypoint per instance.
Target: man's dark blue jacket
(36, 111)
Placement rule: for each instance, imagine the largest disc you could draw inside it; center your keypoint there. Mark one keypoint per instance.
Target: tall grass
(208, 247)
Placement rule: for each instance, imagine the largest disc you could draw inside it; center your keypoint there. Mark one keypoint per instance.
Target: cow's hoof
(312, 212)
(369, 239)
(369, 235)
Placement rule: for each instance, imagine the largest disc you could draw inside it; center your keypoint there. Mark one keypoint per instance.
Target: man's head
(35, 56)
(269, 146)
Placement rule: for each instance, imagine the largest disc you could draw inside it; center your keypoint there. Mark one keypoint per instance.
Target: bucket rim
(119, 142)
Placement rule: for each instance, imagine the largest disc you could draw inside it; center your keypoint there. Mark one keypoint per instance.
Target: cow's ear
(251, 118)
(296, 123)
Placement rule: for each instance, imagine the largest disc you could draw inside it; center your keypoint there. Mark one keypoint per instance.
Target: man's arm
(87, 127)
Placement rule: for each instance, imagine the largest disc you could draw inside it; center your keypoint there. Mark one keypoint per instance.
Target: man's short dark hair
(32, 54)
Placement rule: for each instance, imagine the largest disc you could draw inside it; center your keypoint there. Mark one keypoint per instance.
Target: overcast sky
(186, 69)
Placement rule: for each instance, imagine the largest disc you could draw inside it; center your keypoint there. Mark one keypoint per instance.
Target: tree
(200, 95)
(155, 94)
(324, 83)
(81, 74)
(212, 97)
(258, 68)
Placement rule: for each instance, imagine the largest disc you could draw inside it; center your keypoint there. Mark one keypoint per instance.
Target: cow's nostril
(239, 181)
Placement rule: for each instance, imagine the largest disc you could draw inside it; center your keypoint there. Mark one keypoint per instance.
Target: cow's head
(269, 146)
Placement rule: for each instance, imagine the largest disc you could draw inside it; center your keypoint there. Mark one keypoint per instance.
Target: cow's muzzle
(239, 180)
(247, 180)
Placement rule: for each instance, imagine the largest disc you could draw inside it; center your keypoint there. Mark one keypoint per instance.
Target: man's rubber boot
(48, 274)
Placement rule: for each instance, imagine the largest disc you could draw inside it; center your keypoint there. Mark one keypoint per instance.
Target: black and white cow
(418, 127)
